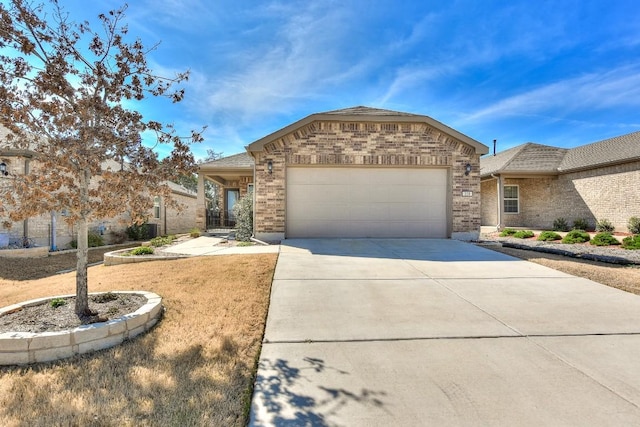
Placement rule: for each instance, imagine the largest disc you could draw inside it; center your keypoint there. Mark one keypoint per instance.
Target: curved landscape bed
(21, 348)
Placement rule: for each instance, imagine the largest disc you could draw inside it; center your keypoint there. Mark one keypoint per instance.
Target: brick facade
(366, 144)
(601, 193)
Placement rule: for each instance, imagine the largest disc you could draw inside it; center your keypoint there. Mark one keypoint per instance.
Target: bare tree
(63, 92)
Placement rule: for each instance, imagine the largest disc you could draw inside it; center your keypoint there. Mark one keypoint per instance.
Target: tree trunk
(82, 298)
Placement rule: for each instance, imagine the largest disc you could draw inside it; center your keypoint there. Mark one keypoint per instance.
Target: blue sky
(561, 73)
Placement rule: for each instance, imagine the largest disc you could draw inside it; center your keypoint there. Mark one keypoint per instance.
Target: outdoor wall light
(3, 169)
(467, 169)
(270, 167)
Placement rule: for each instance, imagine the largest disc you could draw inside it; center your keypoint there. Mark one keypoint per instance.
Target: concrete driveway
(439, 332)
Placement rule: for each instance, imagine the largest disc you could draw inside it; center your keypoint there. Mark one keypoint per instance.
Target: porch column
(500, 186)
(201, 210)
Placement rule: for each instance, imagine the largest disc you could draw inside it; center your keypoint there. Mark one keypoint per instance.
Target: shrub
(523, 234)
(95, 240)
(604, 239)
(560, 224)
(142, 250)
(138, 231)
(631, 242)
(103, 298)
(547, 236)
(162, 240)
(634, 225)
(57, 302)
(576, 236)
(508, 232)
(604, 226)
(580, 224)
(194, 233)
(116, 236)
(243, 243)
(243, 211)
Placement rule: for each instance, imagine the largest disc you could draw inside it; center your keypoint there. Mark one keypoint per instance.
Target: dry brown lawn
(195, 367)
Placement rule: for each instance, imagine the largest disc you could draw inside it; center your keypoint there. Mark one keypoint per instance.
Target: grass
(195, 367)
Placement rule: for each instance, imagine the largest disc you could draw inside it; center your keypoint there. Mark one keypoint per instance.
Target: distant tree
(64, 94)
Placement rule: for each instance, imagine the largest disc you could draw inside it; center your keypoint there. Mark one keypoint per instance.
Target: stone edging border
(22, 348)
(591, 257)
(114, 258)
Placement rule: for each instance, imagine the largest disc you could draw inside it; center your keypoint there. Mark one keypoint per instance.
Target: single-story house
(356, 172)
(42, 229)
(532, 185)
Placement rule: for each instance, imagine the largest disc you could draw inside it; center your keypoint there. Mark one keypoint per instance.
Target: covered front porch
(233, 176)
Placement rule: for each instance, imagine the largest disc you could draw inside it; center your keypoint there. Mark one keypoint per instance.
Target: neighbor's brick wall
(605, 193)
(612, 192)
(39, 228)
(366, 144)
(177, 221)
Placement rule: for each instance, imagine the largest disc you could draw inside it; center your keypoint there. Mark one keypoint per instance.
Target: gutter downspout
(25, 223)
(500, 206)
(54, 246)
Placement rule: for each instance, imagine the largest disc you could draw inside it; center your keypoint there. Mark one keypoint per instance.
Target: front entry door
(231, 198)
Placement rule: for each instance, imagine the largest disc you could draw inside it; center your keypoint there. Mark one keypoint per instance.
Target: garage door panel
(366, 202)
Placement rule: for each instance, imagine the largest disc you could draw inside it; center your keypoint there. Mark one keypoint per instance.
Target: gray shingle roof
(537, 158)
(241, 160)
(614, 150)
(367, 111)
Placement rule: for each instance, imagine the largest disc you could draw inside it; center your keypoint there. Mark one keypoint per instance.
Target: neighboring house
(41, 229)
(356, 172)
(532, 185)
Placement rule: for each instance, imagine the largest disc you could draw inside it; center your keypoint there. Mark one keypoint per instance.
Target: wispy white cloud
(594, 91)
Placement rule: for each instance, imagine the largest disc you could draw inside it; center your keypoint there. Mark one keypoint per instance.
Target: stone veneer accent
(367, 144)
(21, 348)
(594, 194)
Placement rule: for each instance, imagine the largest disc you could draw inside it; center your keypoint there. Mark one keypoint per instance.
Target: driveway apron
(379, 332)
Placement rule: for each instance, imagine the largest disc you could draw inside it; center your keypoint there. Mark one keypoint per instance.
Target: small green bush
(245, 243)
(142, 250)
(604, 226)
(560, 224)
(95, 240)
(576, 236)
(604, 239)
(162, 240)
(103, 298)
(523, 234)
(508, 232)
(631, 242)
(138, 232)
(580, 224)
(194, 233)
(243, 211)
(57, 302)
(547, 236)
(634, 225)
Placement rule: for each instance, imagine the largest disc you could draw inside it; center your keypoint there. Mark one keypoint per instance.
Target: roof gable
(367, 114)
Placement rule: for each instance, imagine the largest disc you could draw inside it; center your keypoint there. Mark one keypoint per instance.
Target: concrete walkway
(205, 245)
(440, 332)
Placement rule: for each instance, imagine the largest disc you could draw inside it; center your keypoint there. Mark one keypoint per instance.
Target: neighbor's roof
(367, 114)
(533, 158)
(527, 158)
(610, 151)
(236, 161)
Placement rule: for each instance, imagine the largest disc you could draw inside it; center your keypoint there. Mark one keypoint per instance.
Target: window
(156, 207)
(511, 201)
(249, 188)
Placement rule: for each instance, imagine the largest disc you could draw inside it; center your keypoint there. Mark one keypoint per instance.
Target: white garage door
(366, 202)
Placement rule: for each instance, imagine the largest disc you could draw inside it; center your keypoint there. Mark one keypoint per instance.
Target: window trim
(505, 198)
(157, 212)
